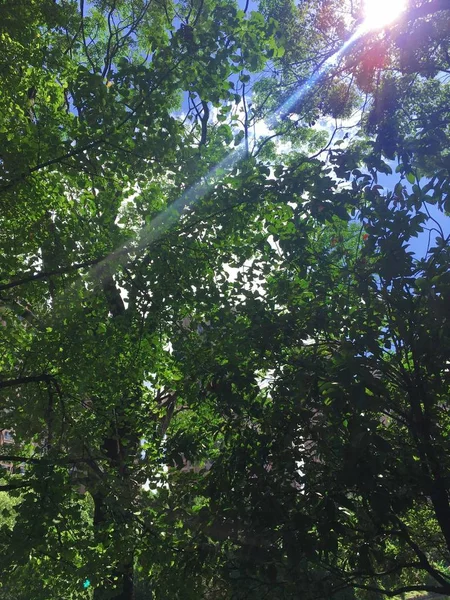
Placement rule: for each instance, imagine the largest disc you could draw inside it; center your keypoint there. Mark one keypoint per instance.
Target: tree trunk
(124, 570)
(118, 448)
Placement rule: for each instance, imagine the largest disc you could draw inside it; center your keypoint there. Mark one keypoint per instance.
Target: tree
(260, 349)
(90, 97)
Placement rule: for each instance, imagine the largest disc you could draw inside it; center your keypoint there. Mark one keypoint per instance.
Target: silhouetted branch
(46, 274)
(26, 380)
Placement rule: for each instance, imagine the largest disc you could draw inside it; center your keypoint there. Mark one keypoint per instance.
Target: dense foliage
(225, 369)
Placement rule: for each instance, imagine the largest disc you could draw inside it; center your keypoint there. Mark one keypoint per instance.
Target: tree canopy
(225, 349)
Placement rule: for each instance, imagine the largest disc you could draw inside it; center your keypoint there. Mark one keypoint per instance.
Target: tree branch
(26, 380)
(52, 161)
(47, 274)
(44, 460)
(84, 37)
(401, 590)
(11, 487)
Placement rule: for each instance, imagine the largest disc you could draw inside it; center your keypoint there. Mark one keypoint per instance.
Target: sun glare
(380, 13)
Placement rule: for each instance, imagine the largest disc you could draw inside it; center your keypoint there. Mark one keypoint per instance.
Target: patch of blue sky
(437, 225)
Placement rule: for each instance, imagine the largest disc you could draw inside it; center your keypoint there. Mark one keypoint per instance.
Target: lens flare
(172, 214)
(303, 90)
(381, 13)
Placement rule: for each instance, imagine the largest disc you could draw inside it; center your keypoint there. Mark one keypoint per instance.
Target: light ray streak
(171, 215)
(168, 217)
(308, 86)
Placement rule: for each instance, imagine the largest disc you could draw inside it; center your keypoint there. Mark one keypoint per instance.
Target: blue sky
(419, 245)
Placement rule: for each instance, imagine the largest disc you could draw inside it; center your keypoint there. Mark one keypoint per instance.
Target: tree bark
(117, 447)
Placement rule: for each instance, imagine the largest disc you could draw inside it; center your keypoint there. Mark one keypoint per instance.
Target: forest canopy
(224, 300)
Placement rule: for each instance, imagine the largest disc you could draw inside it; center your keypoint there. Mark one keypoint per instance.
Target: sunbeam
(301, 92)
(162, 222)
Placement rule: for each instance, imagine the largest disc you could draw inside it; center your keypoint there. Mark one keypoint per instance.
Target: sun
(380, 13)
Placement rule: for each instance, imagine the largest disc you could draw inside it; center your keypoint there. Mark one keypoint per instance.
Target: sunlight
(171, 215)
(168, 217)
(380, 13)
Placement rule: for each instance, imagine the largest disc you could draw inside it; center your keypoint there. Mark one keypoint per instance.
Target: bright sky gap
(380, 13)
